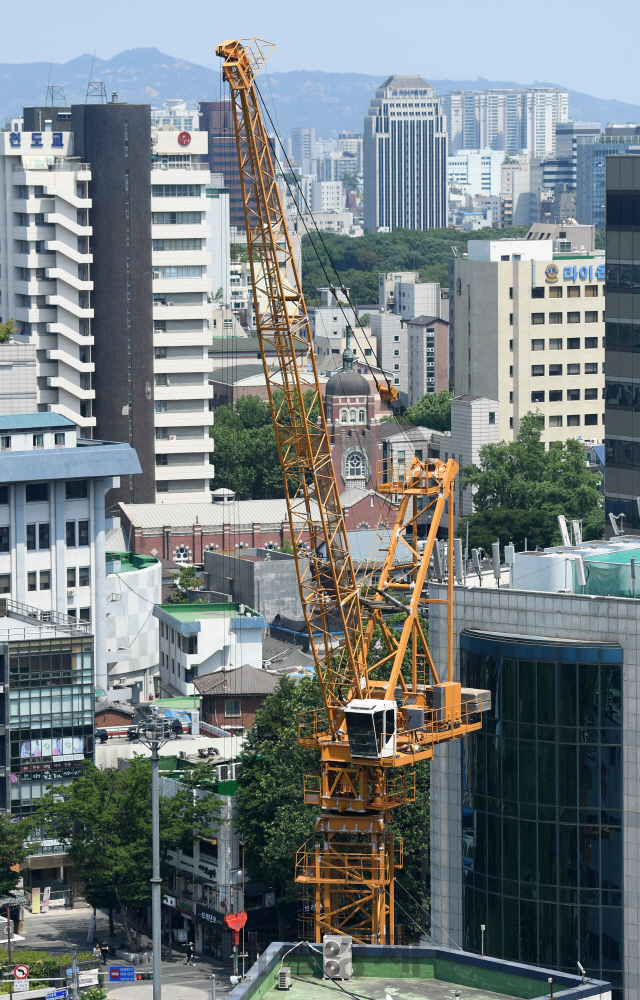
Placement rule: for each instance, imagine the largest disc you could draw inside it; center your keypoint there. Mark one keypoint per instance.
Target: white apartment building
(218, 240)
(475, 171)
(52, 523)
(351, 142)
(181, 315)
(528, 328)
(45, 283)
(405, 157)
(392, 349)
(417, 298)
(327, 196)
(513, 120)
(329, 322)
(175, 114)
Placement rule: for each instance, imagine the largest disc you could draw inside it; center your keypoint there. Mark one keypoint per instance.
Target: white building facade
(182, 293)
(516, 121)
(133, 588)
(405, 157)
(475, 171)
(45, 283)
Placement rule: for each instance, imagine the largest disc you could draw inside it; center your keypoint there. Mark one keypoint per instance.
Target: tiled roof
(241, 680)
(209, 515)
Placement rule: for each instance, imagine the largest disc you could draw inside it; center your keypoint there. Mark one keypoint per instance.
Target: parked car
(101, 735)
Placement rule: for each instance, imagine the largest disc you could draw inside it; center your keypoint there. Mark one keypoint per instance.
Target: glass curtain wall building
(542, 804)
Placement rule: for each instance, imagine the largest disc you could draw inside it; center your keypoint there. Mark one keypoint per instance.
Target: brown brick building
(231, 698)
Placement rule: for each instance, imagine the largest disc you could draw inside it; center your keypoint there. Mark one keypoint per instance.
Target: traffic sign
(121, 973)
(58, 995)
(21, 971)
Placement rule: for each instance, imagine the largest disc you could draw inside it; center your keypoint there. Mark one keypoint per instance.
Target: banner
(88, 978)
(46, 896)
(92, 928)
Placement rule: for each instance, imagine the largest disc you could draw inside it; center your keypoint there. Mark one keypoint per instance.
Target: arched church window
(361, 416)
(344, 416)
(355, 465)
(353, 416)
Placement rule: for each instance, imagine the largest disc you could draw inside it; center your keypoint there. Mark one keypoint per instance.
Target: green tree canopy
(13, 838)
(522, 475)
(433, 410)
(7, 330)
(104, 821)
(182, 583)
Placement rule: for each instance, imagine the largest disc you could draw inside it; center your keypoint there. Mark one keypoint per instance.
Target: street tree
(104, 821)
(13, 850)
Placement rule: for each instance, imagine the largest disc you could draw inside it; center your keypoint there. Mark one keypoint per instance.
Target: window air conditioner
(156, 274)
(173, 437)
(170, 303)
(71, 593)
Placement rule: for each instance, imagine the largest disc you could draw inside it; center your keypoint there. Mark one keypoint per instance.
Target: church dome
(347, 384)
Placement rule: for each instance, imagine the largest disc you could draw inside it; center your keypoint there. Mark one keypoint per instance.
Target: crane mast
(385, 706)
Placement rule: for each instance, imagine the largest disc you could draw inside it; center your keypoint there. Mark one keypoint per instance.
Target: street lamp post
(154, 736)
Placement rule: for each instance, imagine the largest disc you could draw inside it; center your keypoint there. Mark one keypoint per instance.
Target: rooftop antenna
(95, 88)
(56, 96)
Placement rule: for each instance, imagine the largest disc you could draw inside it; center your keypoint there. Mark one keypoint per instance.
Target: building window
(537, 371)
(5, 583)
(537, 293)
(555, 343)
(555, 396)
(555, 293)
(555, 369)
(537, 396)
(492, 420)
(555, 421)
(45, 579)
(591, 291)
(537, 345)
(573, 317)
(71, 576)
(573, 344)
(232, 708)
(76, 489)
(590, 419)
(85, 614)
(355, 466)
(573, 369)
(361, 416)
(510, 345)
(83, 532)
(31, 581)
(555, 318)
(537, 319)
(344, 416)
(5, 442)
(591, 316)
(31, 537)
(591, 393)
(36, 492)
(510, 319)
(591, 368)
(162, 459)
(43, 536)
(573, 292)
(510, 422)
(83, 576)
(60, 438)
(573, 420)
(161, 380)
(38, 441)
(510, 371)
(396, 353)
(590, 343)
(573, 395)
(70, 532)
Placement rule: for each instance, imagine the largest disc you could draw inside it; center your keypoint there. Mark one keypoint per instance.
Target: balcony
(70, 279)
(72, 307)
(58, 382)
(57, 218)
(68, 359)
(58, 246)
(66, 331)
(167, 167)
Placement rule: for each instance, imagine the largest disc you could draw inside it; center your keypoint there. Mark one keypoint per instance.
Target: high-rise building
(216, 118)
(592, 156)
(303, 148)
(405, 157)
(181, 315)
(476, 171)
(506, 296)
(622, 441)
(115, 139)
(513, 120)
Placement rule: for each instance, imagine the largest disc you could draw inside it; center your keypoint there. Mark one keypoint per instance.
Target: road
(58, 929)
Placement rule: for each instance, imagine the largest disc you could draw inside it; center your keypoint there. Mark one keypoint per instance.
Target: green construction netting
(609, 575)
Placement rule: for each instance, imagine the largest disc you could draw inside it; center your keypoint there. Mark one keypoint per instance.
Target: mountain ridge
(326, 101)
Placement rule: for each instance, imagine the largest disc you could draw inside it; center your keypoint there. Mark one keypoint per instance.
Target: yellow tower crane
(382, 710)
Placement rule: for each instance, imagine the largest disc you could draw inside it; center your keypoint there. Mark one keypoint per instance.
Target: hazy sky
(582, 44)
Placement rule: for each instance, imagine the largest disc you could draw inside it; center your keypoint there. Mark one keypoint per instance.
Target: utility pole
(155, 736)
(74, 971)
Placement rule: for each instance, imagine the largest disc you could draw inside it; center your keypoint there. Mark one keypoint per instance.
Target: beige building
(529, 331)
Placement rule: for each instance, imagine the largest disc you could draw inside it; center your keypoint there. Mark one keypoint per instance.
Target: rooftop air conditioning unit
(226, 772)
(336, 956)
(284, 978)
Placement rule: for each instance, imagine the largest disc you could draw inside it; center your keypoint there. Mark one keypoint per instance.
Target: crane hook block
(388, 393)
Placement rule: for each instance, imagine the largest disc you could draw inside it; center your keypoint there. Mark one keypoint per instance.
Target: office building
(622, 441)
(303, 149)
(333, 166)
(513, 120)
(570, 134)
(475, 171)
(175, 114)
(48, 718)
(507, 294)
(45, 285)
(182, 291)
(115, 139)
(351, 142)
(216, 119)
(52, 543)
(591, 170)
(427, 356)
(327, 196)
(534, 818)
(405, 157)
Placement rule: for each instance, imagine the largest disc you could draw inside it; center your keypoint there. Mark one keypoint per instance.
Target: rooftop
(243, 680)
(128, 562)
(33, 421)
(240, 512)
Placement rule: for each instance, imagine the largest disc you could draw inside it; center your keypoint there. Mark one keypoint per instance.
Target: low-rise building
(231, 698)
(261, 578)
(198, 639)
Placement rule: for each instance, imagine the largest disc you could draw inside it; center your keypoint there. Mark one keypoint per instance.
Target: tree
(182, 583)
(538, 527)
(522, 476)
(433, 410)
(104, 821)
(13, 850)
(7, 330)
(364, 320)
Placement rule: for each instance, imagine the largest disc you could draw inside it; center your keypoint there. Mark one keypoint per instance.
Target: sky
(585, 45)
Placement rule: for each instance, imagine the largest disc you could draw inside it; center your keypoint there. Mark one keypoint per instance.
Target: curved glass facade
(542, 803)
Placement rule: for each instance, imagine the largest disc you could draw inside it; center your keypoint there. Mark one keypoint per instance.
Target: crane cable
(332, 287)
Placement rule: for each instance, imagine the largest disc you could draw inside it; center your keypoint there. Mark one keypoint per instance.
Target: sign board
(58, 995)
(35, 901)
(169, 901)
(88, 978)
(46, 897)
(92, 927)
(121, 974)
(21, 972)
(21, 985)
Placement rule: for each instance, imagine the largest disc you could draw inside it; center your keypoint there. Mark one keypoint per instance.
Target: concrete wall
(270, 587)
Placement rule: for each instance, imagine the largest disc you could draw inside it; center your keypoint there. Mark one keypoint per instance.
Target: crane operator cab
(371, 728)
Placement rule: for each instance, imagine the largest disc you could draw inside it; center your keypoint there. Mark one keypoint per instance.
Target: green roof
(130, 561)
(196, 612)
(184, 702)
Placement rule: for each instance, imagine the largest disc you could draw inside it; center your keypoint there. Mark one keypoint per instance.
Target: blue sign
(36, 138)
(121, 974)
(571, 272)
(14, 138)
(58, 995)
(57, 139)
